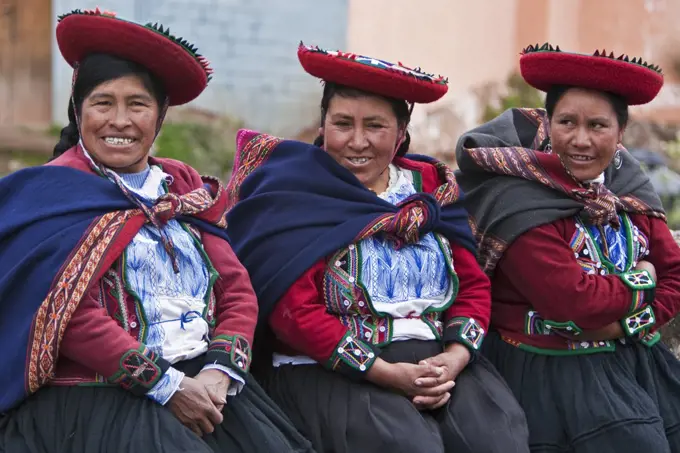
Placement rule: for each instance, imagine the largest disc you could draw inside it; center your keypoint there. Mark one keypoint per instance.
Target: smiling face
(118, 122)
(361, 134)
(585, 132)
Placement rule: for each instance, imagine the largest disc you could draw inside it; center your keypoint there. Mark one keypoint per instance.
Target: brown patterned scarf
(511, 186)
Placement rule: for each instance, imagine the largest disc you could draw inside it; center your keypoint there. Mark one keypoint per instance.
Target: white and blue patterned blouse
(400, 283)
(404, 283)
(173, 303)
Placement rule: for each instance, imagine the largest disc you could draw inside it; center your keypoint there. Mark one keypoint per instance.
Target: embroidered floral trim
(352, 353)
(346, 297)
(253, 154)
(70, 286)
(140, 370)
(232, 351)
(466, 331)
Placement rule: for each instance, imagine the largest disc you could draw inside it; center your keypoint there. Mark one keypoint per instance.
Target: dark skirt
(625, 401)
(340, 415)
(112, 420)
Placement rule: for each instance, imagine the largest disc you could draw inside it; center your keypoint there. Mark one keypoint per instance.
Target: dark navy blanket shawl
(44, 214)
(300, 206)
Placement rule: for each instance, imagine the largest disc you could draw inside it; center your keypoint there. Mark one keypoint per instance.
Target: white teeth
(584, 158)
(358, 160)
(118, 140)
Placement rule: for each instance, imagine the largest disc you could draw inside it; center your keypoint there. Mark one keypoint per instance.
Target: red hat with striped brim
(183, 71)
(372, 75)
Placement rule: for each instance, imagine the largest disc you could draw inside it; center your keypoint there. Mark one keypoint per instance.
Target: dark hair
(400, 108)
(619, 104)
(94, 70)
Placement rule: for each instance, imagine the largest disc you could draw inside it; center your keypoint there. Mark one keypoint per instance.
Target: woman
(126, 318)
(584, 269)
(363, 263)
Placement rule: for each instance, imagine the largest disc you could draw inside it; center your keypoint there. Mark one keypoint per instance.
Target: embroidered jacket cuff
(166, 386)
(352, 357)
(140, 370)
(237, 382)
(465, 331)
(650, 339)
(643, 287)
(230, 351)
(640, 319)
(638, 323)
(638, 280)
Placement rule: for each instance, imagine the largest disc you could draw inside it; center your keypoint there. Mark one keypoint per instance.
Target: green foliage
(673, 218)
(208, 147)
(519, 94)
(54, 130)
(672, 149)
(14, 160)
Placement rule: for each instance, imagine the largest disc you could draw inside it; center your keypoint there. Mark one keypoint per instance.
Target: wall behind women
(474, 43)
(477, 45)
(252, 46)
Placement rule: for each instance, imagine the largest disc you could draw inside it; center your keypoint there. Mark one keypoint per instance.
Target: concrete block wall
(252, 47)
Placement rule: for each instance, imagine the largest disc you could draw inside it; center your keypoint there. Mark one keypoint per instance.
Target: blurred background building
(259, 84)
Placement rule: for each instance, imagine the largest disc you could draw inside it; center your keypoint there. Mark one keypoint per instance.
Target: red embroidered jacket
(550, 282)
(104, 338)
(314, 319)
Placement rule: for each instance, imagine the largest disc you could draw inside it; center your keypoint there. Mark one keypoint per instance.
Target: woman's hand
(401, 377)
(217, 384)
(194, 407)
(451, 362)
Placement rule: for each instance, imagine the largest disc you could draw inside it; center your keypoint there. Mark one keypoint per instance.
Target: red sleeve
(300, 321)
(664, 254)
(541, 265)
(94, 339)
(235, 311)
(467, 320)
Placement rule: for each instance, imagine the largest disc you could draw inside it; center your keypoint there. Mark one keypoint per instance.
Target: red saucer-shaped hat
(637, 81)
(184, 72)
(372, 75)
